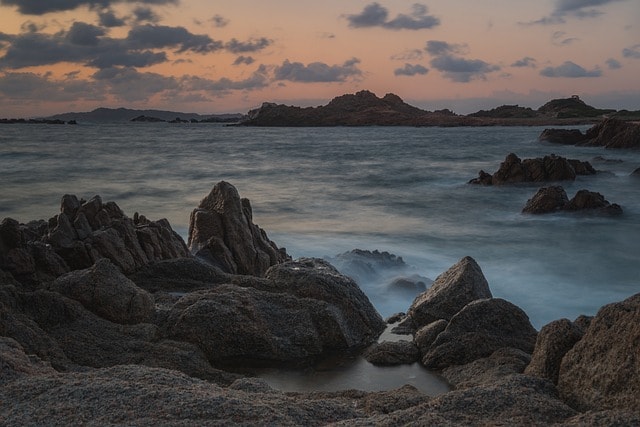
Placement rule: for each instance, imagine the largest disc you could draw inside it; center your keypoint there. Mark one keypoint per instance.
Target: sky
(218, 57)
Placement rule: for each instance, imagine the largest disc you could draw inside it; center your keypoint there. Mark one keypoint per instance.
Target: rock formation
(610, 133)
(549, 168)
(221, 231)
(554, 199)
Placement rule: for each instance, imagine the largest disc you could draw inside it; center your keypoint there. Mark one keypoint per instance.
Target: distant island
(363, 108)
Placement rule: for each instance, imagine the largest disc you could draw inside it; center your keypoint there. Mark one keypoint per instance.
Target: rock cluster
(554, 199)
(610, 133)
(549, 168)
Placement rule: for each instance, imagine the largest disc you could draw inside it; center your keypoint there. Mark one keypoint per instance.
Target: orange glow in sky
(209, 57)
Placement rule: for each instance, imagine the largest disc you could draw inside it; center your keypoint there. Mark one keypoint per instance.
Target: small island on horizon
(363, 108)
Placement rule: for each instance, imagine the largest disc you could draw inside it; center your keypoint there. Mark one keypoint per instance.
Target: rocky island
(111, 319)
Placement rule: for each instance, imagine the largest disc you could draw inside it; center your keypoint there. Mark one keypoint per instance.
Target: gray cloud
(438, 47)
(159, 36)
(253, 45)
(30, 86)
(613, 64)
(580, 9)
(145, 14)
(244, 60)
(41, 7)
(219, 21)
(632, 52)
(411, 70)
(258, 80)
(559, 38)
(142, 59)
(462, 70)
(375, 15)
(84, 34)
(109, 19)
(570, 70)
(317, 71)
(409, 55)
(527, 61)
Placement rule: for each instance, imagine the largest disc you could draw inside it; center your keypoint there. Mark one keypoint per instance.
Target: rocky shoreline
(107, 319)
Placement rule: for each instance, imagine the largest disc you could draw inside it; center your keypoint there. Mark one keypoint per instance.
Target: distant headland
(363, 108)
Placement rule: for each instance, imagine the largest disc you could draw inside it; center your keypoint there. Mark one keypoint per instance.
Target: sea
(320, 192)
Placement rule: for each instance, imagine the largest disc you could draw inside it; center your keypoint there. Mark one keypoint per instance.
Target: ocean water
(323, 191)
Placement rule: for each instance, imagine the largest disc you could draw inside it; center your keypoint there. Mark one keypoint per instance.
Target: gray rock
(179, 275)
(449, 293)
(546, 200)
(425, 336)
(614, 133)
(554, 341)
(554, 199)
(221, 230)
(602, 371)
(562, 136)
(479, 329)
(105, 291)
(389, 353)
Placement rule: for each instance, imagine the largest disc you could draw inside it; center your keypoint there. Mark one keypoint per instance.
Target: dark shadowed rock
(554, 199)
(449, 293)
(479, 329)
(546, 169)
(389, 353)
(426, 335)
(562, 136)
(602, 371)
(105, 291)
(221, 230)
(614, 133)
(585, 200)
(547, 200)
(179, 275)
(14, 363)
(554, 341)
(500, 364)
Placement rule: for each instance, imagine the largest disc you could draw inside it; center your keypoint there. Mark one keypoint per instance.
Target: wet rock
(602, 371)
(479, 329)
(547, 200)
(449, 293)
(546, 169)
(614, 133)
(554, 199)
(389, 353)
(562, 136)
(585, 200)
(426, 336)
(554, 341)
(105, 291)
(221, 230)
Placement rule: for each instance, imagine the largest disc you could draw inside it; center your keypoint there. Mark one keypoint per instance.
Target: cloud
(613, 64)
(84, 34)
(570, 70)
(219, 21)
(580, 9)
(258, 80)
(41, 7)
(31, 86)
(411, 70)
(145, 14)
(253, 45)
(632, 52)
(558, 38)
(409, 55)
(317, 71)
(159, 36)
(109, 19)
(244, 60)
(462, 70)
(527, 61)
(375, 15)
(438, 47)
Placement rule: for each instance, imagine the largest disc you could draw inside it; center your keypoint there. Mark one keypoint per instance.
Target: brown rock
(546, 200)
(389, 353)
(602, 371)
(425, 336)
(562, 136)
(614, 133)
(449, 293)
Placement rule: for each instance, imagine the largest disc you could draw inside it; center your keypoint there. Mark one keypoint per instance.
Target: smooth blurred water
(323, 191)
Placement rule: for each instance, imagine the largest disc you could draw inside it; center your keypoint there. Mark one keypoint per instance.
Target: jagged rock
(449, 293)
(481, 372)
(479, 329)
(548, 168)
(562, 136)
(614, 133)
(14, 363)
(179, 275)
(554, 341)
(105, 291)
(554, 199)
(602, 371)
(221, 230)
(389, 353)
(303, 309)
(426, 335)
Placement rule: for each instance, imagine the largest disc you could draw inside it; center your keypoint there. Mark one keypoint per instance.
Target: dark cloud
(31, 27)
(570, 70)
(438, 47)
(145, 14)
(527, 61)
(317, 71)
(559, 38)
(130, 85)
(160, 36)
(219, 21)
(109, 19)
(411, 70)
(632, 52)
(613, 64)
(142, 59)
(34, 87)
(375, 15)
(580, 9)
(84, 34)
(258, 80)
(41, 7)
(244, 60)
(253, 45)
(462, 70)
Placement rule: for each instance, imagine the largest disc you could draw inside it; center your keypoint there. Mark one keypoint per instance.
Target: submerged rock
(221, 231)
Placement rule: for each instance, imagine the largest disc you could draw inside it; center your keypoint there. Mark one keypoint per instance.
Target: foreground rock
(221, 230)
(554, 199)
(549, 168)
(610, 133)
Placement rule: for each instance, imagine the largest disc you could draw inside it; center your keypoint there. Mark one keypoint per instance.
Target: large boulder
(389, 353)
(554, 341)
(105, 291)
(547, 200)
(554, 199)
(449, 293)
(221, 230)
(602, 371)
(562, 136)
(479, 329)
(614, 133)
(303, 309)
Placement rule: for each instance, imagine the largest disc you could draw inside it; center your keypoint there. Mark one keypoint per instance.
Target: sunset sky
(213, 57)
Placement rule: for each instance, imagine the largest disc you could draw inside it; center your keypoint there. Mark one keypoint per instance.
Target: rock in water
(221, 230)
(449, 293)
(602, 371)
(554, 199)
